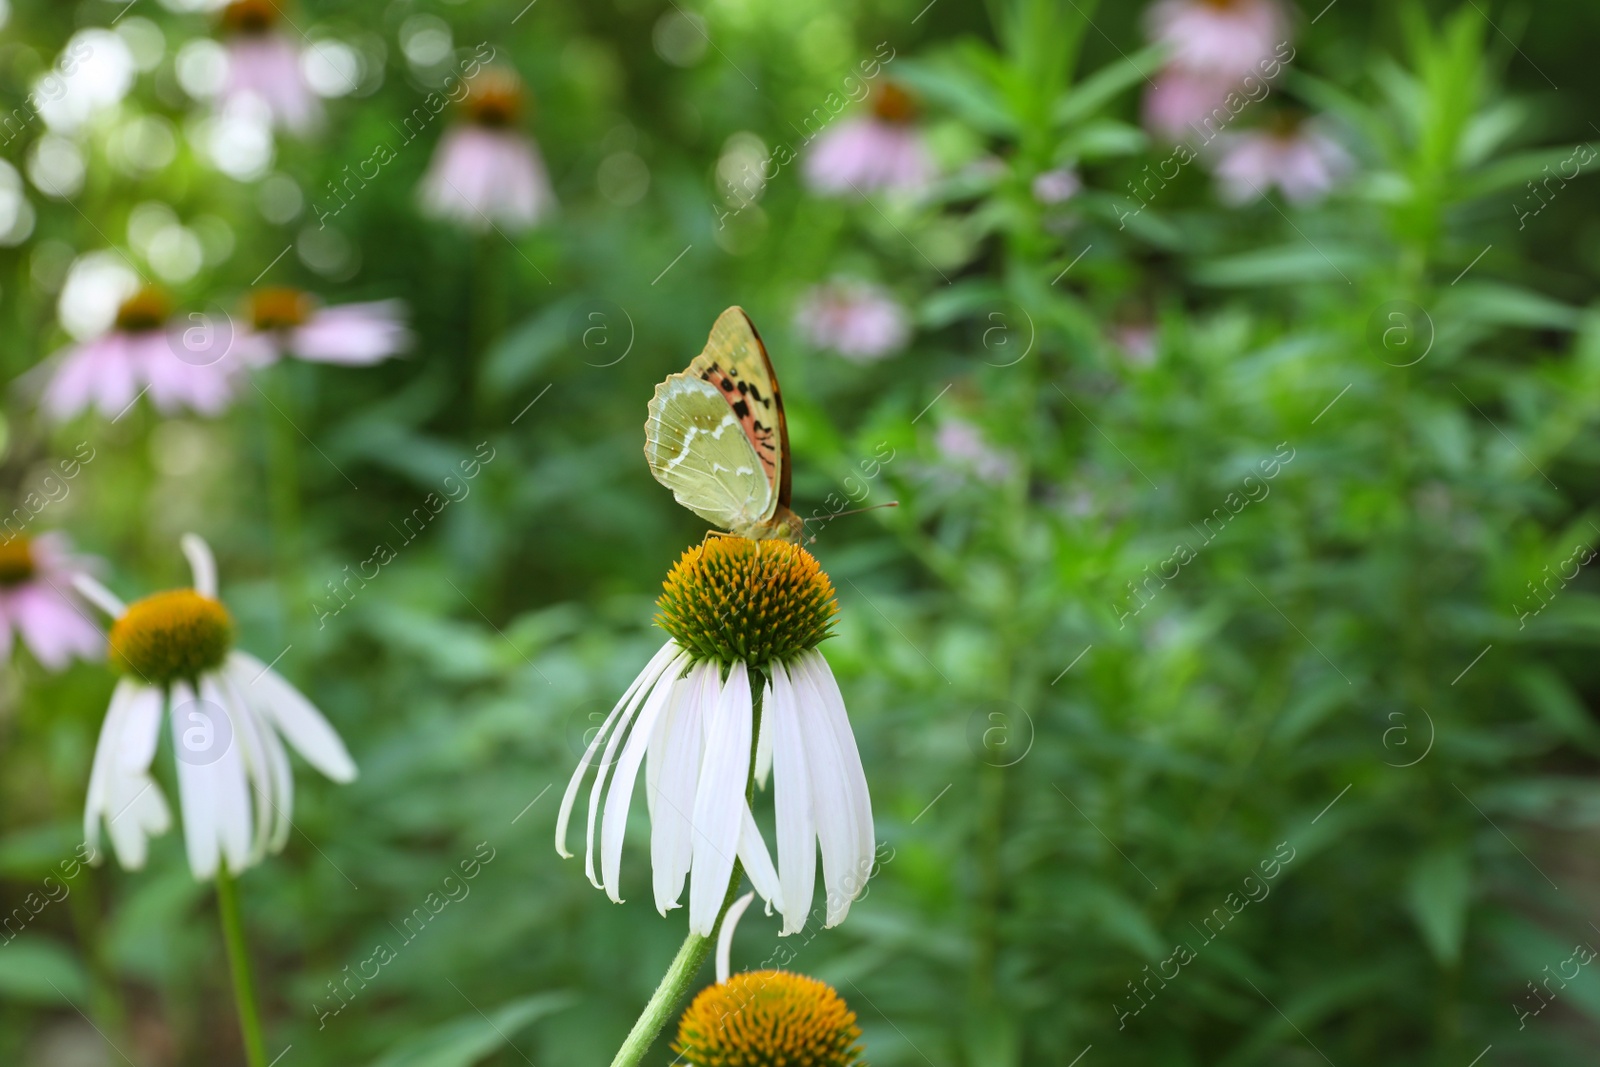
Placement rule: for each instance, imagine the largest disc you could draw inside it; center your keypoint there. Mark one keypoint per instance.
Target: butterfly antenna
(874, 507)
(854, 511)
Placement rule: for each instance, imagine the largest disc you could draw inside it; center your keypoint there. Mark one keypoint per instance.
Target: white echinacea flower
(228, 709)
(741, 666)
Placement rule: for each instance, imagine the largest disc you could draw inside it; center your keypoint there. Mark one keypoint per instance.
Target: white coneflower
(745, 619)
(228, 709)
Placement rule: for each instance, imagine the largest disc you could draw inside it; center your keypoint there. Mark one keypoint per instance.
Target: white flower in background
(264, 65)
(93, 73)
(1056, 186)
(861, 322)
(1304, 163)
(227, 710)
(290, 322)
(738, 612)
(863, 154)
(16, 214)
(486, 172)
(962, 447)
(38, 601)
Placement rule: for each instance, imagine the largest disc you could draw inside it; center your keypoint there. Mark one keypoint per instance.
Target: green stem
(283, 475)
(675, 984)
(244, 984)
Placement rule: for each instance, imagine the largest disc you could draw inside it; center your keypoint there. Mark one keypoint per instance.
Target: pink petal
(353, 334)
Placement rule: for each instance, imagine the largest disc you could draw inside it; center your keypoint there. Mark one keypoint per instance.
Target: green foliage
(1228, 715)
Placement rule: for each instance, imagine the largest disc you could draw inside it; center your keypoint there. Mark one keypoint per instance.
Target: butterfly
(716, 436)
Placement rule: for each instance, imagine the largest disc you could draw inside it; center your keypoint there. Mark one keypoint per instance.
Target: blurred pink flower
(961, 445)
(486, 172)
(1054, 186)
(288, 322)
(1225, 39)
(1302, 162)
(1137, 342)
(141, 354)
(38, 602)
(264, 64)
(1180, 102)
(883, 150)
(859, 321)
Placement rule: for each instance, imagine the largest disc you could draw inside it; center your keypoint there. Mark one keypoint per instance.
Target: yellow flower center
(769, 1019)
(145, 310)
(169, 636)
(278, 308)
(16, 560)
(734, 600)
(250, 16)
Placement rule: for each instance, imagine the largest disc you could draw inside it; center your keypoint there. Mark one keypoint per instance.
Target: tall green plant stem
(244, 984)
(675, 984)
(283, 480)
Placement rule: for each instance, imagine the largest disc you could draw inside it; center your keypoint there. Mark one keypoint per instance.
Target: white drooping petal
(135, 812)
(719, 801)
(730, 922)
(250, 736)
(671, 817)
(286, 708)
(821, 677)
(607, 760)
(654, 749)
(105, 755)
(757, 861)
(832, 801)
(283, 788)
(230, 782)
(764, 744)
(134, 808)
(195, 788)
(99, 595)
(613, 826)
(140, 731)
(646, 678)
(202, 564)
(797, 830)
(121, 791)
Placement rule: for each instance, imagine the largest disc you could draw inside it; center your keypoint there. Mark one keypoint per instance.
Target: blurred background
(1220, 678)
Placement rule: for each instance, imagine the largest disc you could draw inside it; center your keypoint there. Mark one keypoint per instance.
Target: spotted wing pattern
(716, 435)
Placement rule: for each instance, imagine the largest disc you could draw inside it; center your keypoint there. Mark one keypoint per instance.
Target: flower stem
(675, 984)
(244, 985)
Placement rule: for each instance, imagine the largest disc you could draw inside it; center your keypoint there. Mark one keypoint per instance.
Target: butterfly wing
(717, 436)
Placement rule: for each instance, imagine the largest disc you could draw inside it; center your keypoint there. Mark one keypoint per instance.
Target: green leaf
(1542, 163)
(471, 1037)
(1552, 698)
(1292, 264)
(1507, 305)
(952, 83)
(529, 346)
(39, 970)
(1091, 95)
(1103, 140)
(1437, 894)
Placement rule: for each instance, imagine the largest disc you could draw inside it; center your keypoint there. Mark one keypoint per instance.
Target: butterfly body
(716, 436)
